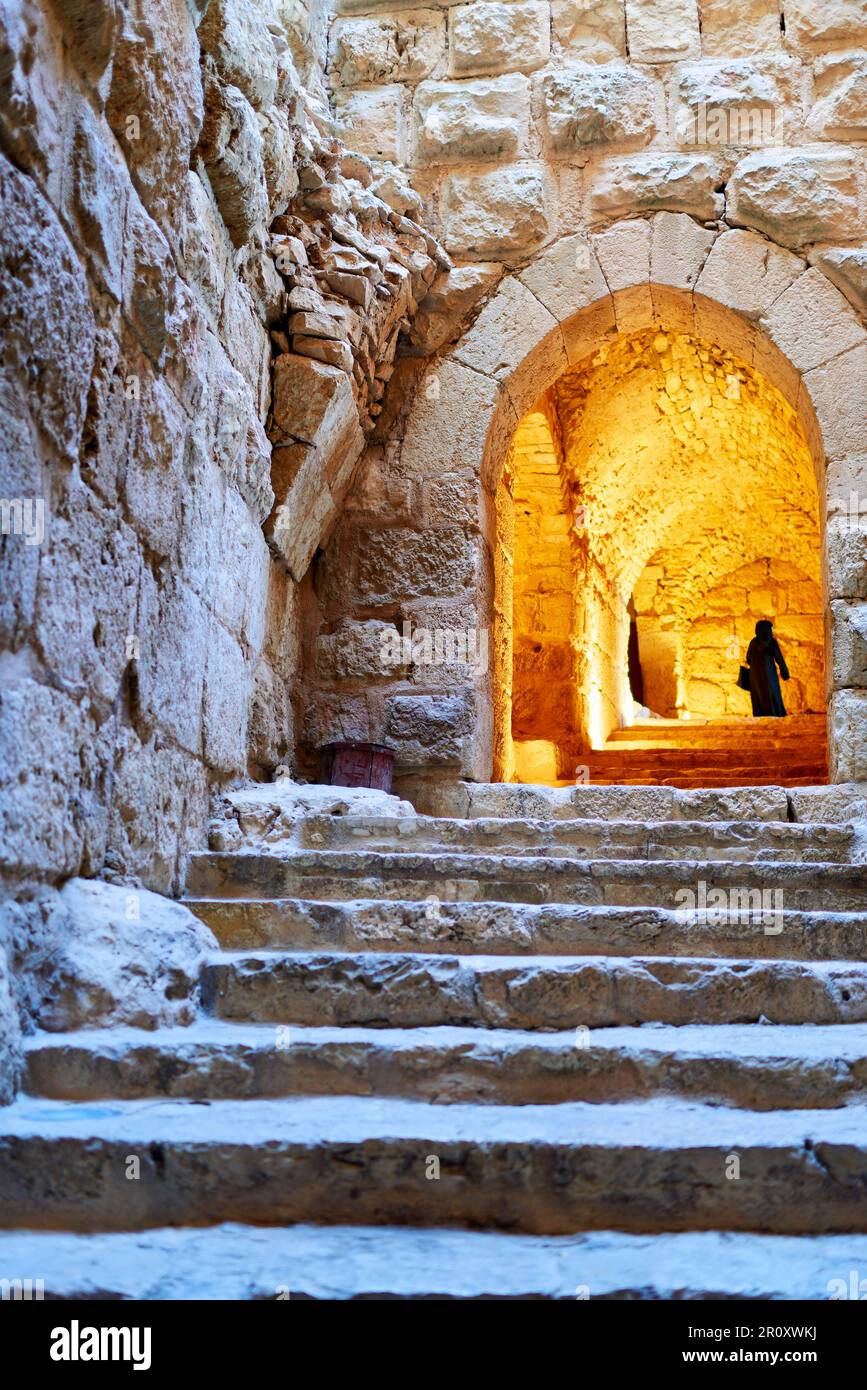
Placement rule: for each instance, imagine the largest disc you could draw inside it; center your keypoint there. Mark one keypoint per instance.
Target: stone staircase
(483, 1055)
(716, 753)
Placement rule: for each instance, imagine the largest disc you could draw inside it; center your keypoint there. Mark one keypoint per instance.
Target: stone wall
(595, 168)
(191, 262)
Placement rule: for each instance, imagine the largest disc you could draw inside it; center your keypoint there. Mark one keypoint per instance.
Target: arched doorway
(656, 502)
(420, 541)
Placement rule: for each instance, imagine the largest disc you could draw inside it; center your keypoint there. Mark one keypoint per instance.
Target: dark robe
(763, 659)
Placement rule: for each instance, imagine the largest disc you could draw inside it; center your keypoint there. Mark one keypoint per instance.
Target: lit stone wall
(673, 461)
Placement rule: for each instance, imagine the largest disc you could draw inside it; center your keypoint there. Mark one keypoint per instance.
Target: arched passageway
(656, 502)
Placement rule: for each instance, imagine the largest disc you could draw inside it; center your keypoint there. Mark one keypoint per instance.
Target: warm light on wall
(652, 472)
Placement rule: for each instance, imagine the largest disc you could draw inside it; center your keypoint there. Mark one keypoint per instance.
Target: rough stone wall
(190, 260)
(565, 153)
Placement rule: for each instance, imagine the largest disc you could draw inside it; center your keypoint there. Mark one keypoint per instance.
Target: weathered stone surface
(739, 28)
(235, 34)
(472, 120)
(651, 182)
(124, 956)
(678, 251)
(593, 30)
(827, 23)
(450, 300)
(590, 105)
(488, 37)
(845, 267)
(662, 33)
(747, 273)
(848, 643)
(795, 198)
(847, 711)
(846, 546)
(371, 119)
(271, 814)
(47, 326)
(811, 322)
(404, 48)
(840, 111)
(11, 1059)
(495, 213)
(231, 146)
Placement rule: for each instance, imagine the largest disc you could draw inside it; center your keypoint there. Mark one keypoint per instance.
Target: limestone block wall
(191, 262)
(593, 168)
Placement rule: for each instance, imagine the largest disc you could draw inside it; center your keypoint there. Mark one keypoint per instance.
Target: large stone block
(598, 105)
(48, 332)
(678, 250)
(847, 731)
(124, 956)
(848, 644)
(205, 250)
(746, 272)
(45, 770)
(845, 267)
(592, 30)
(231, 147)
(429, 730)
(225, 701)
(812, 322)
(173, 637)
(399, 564)
(795, 197)
(826, 23)
(489, 37)
(566, 277)
(472, 120)
(448, 303)
(657, 182)
(371, 121)
(509, 329)
(846, 551)
(495, 214)
(662, 31)
(739, 28)
(840, 112)
(838, 391)
(156, 89)
(403, 48)
(358, 651)
(736, 103)
(236, 35)
(449, 420)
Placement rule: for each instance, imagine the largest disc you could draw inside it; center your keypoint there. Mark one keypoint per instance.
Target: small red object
(356, 765)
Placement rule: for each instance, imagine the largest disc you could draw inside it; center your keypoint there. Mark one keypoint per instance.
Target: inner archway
(656, 501)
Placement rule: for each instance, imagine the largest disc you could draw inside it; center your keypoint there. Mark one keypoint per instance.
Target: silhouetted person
(763, 658)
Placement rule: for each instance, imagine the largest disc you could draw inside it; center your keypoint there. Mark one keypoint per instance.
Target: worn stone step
(691, 840)
(543, 992)
(340, 875)
(433, 925)
(436, 797)
(754, 1066)
(652, 1166)
(235, 1262)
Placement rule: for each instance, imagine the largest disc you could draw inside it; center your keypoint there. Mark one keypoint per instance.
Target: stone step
(753, 1066)
(467, 800)
(536, 992)
(659, 1165)
(590, 839)
(235, 1262)
(339, 876)
(753, 733)
(528, 928)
